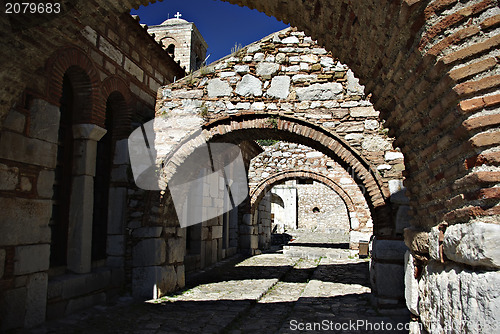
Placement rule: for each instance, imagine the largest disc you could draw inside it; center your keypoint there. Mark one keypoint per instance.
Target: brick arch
(116, 91)
(252, 126)
(264, 186)
(87, 80)
(430, 69)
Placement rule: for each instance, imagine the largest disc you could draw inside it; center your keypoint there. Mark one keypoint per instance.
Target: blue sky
(221, 23)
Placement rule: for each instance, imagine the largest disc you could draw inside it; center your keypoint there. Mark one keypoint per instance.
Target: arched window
(75, 101)
(102, 179)
(171, 50)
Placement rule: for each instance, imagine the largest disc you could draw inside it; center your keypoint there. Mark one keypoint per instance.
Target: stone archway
(431, 70)
(258, 192)
(252, 126)
(356, 232)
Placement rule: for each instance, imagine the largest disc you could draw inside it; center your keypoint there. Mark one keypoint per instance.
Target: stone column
(86, 137)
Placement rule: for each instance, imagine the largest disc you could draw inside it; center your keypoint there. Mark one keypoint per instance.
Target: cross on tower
(178, 15)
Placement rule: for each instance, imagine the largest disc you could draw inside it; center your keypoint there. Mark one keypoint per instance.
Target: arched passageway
(432, 71)
(323, 214)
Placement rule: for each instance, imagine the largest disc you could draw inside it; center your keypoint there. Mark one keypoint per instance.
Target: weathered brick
(473, 69)
(471, 87)
(454, 18)
(453, 39)
(490, 22)
(472, 50)
(481, 122)
(486, 139)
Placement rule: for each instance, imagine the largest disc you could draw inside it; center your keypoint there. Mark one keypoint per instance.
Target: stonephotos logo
(212, 180)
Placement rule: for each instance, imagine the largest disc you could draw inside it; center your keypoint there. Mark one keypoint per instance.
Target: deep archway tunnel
(431, 69)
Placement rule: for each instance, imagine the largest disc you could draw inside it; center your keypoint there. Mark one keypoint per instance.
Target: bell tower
(183, 42)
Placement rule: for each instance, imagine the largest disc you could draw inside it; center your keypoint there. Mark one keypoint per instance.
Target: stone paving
(288, 291)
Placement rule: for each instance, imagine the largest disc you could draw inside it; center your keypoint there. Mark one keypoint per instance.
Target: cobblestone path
(315, 285)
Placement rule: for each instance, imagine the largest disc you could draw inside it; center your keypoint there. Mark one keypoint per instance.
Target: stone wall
(287, 88)
(119, 64)
(429, 65)
(321, 209)
(281, 157)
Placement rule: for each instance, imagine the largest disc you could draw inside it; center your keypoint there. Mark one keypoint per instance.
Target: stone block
(115, 261)
(74, 285)
(241, 69)
(371, 124)
(389, 279)
(16, 147)
(467, 299)
(117, 210)
(403, 218)
(249, 86)
(364, 112)
(290, 40)
(417, 241)
(54, 289)
(217, 87)
(121, 152)
(181, 277)
(434, 243)
(90, 34)
(152, 282)
(147, 232)
(31, 259)
(318, 92)
(267, 70)
(14, 121)
(411, 284)
(475, 244)
(149, 252)
(109, 50)
(175, 250)
(353, 86)
(249, 242)
(115, 245)
(9, 177)
(36, 299)
(45, 183)
(13, 308)
(303, 77)
(216, 232)
(2, 262)
(375, 143)
(44, 121)
(133, 69)
(391, 155)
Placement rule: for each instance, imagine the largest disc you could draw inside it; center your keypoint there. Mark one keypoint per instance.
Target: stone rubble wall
(285, 156)
(287, 73)
(331, 215)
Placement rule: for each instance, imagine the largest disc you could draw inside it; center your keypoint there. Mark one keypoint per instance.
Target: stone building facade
(64, 181)
(431, 69)
(183, 41)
